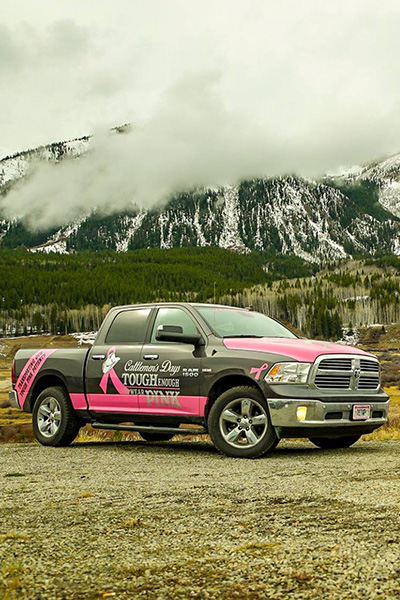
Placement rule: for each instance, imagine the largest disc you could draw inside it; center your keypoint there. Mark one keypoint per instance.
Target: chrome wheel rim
(49, 417)
(243, 423)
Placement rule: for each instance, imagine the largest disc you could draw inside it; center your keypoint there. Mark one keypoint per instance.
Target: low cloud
(25, 49)
(255, 88)
(11, 53)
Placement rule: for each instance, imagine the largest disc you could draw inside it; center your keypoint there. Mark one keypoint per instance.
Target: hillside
(57, 293)
(50, 293)
(354, 294)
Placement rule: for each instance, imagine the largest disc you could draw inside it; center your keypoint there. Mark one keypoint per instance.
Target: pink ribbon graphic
(258, 371)
(29, 372)
(108, 370)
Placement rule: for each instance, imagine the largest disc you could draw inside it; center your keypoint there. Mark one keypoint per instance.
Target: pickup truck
(179, 368)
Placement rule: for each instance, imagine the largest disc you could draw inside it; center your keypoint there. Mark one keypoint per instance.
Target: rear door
(109, 387)
(175, 389)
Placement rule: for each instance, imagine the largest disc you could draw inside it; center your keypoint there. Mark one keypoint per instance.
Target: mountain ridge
(356, 212)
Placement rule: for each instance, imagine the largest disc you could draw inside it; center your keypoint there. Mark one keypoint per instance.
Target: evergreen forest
(53, 293)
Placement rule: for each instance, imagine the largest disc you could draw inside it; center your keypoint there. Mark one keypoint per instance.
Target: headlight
(290, 372)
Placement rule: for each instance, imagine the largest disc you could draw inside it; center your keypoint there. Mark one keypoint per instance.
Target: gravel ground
(178, 520)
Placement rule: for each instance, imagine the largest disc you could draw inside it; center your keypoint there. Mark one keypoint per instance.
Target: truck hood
(297, 349)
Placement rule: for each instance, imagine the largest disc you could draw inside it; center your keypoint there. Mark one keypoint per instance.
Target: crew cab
(238, 375)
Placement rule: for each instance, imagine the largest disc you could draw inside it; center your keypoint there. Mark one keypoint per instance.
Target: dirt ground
(178, 520)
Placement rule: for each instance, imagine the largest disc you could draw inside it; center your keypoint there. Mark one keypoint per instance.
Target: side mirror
(174, 333)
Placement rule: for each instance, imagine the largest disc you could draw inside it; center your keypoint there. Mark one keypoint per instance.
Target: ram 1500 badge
(240, 376)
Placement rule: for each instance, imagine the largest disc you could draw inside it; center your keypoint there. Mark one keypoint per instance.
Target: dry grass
(13, 535)
(255, 546)
(86, 495)
(88, 434)
(131, 523)
(390, 369)
(11, 582)
(391, 430)
(374, 340)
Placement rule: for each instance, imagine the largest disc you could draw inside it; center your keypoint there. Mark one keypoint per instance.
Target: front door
(108, 388)
(176, 370)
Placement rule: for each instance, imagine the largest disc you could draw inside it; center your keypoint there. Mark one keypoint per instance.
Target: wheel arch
(225, 383)
(45, 380)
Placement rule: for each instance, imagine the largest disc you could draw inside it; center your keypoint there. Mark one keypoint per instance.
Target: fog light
(301, 413)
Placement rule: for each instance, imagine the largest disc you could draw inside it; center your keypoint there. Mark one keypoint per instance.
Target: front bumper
(13, 399)
(326, 419)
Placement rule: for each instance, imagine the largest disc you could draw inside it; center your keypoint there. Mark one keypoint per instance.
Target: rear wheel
(54, 420)
(239, 423)
(331, 443)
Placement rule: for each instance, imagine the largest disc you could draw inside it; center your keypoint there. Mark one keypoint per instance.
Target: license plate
(361, 412)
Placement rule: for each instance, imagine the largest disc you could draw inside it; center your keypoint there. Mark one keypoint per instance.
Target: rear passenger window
(129, 327)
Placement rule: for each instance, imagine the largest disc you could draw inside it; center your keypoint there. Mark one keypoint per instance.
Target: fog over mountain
(216, 92)
(355, 212)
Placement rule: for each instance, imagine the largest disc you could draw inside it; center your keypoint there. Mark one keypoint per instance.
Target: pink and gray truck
(181, 368)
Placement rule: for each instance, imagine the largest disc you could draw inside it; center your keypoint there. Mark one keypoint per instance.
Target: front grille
(369, 365)
(335, 364)
(323, 381)
(346, 373)
(367, 383)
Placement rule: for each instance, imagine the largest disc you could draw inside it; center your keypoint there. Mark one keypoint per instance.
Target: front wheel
(239, 423)
(54, 420)
(332, 443)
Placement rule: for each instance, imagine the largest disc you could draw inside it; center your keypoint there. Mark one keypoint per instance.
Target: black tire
(230, 404)
(332, 443)
(66, 424)
(149, 436)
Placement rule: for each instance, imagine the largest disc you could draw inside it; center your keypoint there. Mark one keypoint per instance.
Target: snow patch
(86, 337)
(230, 236)
(132, 224)
(58, 242)
(350, 337)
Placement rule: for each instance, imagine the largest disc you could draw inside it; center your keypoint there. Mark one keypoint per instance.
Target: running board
(139, 428)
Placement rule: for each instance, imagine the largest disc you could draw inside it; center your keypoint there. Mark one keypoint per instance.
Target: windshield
(231, 322)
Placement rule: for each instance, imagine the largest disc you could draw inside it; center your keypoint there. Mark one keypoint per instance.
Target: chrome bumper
(283, 414)
(13, 399)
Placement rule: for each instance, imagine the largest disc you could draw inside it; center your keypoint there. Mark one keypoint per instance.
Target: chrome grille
(367, 383)
(335, 364)
(346, 372)
(324, 381)
(369, 365)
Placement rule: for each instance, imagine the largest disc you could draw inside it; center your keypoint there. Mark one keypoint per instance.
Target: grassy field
(15, 425)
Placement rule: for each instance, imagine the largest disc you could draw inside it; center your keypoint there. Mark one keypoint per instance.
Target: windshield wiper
(242, 335)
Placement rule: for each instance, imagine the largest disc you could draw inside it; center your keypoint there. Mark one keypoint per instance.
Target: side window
(173, 316)
(129, 327)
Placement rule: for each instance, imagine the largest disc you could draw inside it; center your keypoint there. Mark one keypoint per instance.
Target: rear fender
(44, 380)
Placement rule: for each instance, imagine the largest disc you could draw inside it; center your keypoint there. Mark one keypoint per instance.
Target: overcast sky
(279, 85)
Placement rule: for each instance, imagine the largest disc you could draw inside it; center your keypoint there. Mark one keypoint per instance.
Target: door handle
(98, 356)
(150, 356)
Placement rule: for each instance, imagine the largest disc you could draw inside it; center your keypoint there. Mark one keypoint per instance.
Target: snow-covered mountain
(385, 174)
(356, 212)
